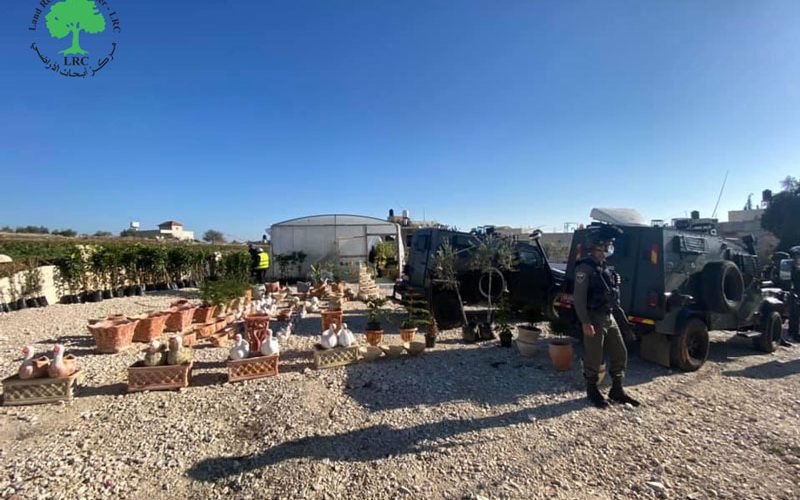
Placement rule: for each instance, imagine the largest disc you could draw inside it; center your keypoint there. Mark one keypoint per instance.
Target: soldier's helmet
(599, 237)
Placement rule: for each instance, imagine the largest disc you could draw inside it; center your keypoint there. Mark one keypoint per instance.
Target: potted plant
(416, 316)
(375, 313)
(491, 258)
(503, 322)
(445, 276)
(529, 332)
(431, 333)
(560, 348)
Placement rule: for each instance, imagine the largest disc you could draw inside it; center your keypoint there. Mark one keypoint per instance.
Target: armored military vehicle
(533, 282)
(679, 284)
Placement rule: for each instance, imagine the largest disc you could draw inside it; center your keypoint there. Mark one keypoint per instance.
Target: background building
(168, 229)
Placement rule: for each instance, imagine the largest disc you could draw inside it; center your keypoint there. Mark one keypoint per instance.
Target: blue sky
(237, 114)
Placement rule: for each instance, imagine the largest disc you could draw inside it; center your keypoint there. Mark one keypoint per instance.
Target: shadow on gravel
(103, 390)
(373, 443)
(770, 370)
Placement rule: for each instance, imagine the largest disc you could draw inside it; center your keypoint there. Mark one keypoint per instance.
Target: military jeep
(679, 284)
(533, 284)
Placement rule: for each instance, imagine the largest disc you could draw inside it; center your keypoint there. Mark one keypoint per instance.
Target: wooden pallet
(253, 368)
(39, 390)
(338, 356)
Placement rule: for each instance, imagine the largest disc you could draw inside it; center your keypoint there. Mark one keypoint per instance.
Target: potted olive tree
(503, 320)
(445, 276)
(416, 316)
(491, 259)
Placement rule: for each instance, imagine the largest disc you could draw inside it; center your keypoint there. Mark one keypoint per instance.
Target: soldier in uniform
(596, 293)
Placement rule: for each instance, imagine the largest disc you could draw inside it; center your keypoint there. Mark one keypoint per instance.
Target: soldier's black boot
(617, 394)
(594, 395)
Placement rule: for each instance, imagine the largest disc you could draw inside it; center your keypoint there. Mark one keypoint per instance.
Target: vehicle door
(531, 281)
(418, 262)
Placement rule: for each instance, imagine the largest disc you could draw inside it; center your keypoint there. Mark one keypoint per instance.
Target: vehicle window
(460, 241)
(528, 258)
(422, 242)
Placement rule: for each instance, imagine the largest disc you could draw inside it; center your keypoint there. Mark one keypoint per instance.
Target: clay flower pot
(203, 314)
(273, 287)
(408, 334)
(374, 337)
(150, 327)
(561, 354)
(179, 319)
(256, 326)
(528, 333)
(70, 367)
(38, 368)
(329, 317)
(112, 336)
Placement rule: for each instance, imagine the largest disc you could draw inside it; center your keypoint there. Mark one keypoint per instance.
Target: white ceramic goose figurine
(303, 312)
(286, 332)
(26, 370)
(346, 337)
(240, 349)
(329, 338)
(270, 346)
(269, 300)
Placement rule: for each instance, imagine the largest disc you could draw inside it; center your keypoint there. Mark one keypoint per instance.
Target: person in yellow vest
(261, 265)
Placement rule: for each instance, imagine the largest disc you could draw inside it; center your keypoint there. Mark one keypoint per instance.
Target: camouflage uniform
(593, 307)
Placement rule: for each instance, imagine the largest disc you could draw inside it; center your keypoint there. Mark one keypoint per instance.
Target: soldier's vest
(598, 297)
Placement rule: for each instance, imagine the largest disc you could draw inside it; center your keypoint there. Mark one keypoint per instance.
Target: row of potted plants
(97, 272)
(25, 290)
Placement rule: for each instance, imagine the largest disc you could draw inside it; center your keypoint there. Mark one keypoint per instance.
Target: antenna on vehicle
(714, 214)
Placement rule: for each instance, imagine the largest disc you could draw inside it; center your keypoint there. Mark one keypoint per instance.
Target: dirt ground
(458, 421)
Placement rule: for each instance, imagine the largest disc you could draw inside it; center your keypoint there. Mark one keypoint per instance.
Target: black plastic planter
(505, 339)
(42, 301)
(107, 294)
(4, 308)
(12, 306)
(128, 291)
(21, 304)
(31, 303)
(430, 341)
(66, 299)
(96, 296)
(138, 290)
(82, 297)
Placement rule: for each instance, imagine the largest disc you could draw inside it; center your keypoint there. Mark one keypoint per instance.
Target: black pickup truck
(533, 282)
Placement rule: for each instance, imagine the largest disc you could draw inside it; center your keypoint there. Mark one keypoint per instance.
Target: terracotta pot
(374, 337)
(180, 303)
(273, 286)
(150, 327)
(256, 327)
(206, 329)
(285, 314)
(112, 336)
(220, 324)
(408, 334)
(37, 369)
(561, 354)
(179, 319)
(70, 367)
(203, 314)
(189, 339)
(329, 317)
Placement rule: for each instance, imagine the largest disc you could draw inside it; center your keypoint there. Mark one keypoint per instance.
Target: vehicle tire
(771, 329)
(446, 309)
(550, 310)
(689, 349)
(722, 286)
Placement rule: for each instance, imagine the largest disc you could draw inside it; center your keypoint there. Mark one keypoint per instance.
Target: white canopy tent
(345, 239)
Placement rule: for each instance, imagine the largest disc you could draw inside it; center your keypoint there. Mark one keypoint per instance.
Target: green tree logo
(74, 16)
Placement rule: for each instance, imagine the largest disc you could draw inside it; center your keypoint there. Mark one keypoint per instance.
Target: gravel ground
(474, 421)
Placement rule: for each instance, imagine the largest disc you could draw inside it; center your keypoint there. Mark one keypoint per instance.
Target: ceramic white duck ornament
(60, 366)
(329, 338)
(27, 370)
(346, 337)
(270, 346)
(286, 332)
(240, 349)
